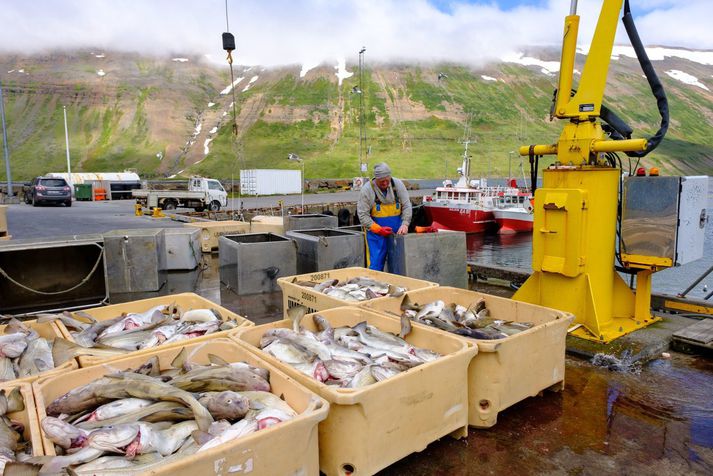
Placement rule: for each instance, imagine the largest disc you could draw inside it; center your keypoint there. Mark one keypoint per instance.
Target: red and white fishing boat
(466, 206)
(513, 211)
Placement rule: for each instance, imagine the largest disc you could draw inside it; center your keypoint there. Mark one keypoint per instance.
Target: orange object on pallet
(99, 194)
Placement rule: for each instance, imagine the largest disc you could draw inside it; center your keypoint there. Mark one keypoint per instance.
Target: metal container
(270, 181)
(251, 264)
(437, 257)
(135, 260)
(183, 248)
(664, 217)
(310, 221)
(49, 274)
(83, 192)
(323, 249)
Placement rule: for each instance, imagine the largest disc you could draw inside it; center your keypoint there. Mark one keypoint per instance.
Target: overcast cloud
(271, 32)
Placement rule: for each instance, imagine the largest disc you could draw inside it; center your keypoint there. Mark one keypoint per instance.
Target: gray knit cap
(382, 171)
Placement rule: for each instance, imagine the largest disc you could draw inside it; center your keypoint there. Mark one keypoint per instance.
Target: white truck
(199, 193)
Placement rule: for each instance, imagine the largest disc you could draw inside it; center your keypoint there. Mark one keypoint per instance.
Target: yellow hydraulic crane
(577, 211)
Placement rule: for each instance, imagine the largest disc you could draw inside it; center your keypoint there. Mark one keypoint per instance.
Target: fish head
(13, 347)
(114, 437)
(226, 405)
(64, 434)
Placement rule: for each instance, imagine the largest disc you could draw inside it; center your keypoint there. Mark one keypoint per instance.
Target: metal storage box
(211, 230)
(28, 417)
(185, 301)
(295, 295)
(267, 224)
(664, 217)
(48, 330)
(508, 370)
(73, 267)
(135, 260)
(287, 448)
(270, 181)
(251, 263)
(324, 249)
(372, 427)
(438, 257)
(311, 221)
(183, 248)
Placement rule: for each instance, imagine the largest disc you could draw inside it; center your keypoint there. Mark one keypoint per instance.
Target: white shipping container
(270, 181)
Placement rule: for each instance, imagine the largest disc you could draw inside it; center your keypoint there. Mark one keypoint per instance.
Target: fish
(64, 434)
(226, 405)
(220, 378)
(116, 408)
(65, 318)
(64, 350)
(11, 402)
(244, 427)
(342, 369)
(262, 400)
(360, 288)
(313, 345)
(362, 378)
(36, 359)
(7, 372)
(124, 385)
(405, 326)
(200, 315)
(484, 333)
(430, 310)
(12, 345)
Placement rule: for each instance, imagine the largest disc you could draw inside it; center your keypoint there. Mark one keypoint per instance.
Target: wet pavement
(659, 421)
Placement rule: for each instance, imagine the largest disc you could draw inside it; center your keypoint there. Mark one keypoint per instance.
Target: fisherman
(384, 208)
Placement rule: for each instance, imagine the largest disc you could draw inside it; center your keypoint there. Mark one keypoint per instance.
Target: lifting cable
(229, 46)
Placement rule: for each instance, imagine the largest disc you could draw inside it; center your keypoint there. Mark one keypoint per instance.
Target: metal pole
(66, 139)
(695, 283)
(5, 146)
(510, 165)
(303, 186)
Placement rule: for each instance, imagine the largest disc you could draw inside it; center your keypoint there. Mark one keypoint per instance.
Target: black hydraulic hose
(652, 78)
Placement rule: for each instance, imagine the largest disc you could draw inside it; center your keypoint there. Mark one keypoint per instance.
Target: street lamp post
(5, 146)
(297, 158)
(510, 164)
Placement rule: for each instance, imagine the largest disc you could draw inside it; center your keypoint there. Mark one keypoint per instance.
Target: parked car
(48, 190)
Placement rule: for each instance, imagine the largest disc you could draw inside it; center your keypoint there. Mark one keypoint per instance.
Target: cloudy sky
(271, 32)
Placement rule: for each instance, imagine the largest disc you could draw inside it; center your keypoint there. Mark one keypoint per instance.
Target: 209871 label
(319, 276)
(309, 297)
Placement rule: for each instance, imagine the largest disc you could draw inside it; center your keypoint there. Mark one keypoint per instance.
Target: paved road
(25, 221)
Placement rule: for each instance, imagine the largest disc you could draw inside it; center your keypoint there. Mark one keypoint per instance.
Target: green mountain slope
(166, 117)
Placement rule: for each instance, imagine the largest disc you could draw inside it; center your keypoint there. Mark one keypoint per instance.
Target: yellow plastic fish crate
(48, 330)
(287, 448)
(184, 300)
(267, 224)
(28, 416)
(295, 295)
(371, 427)
(508, 370)
(212, 230)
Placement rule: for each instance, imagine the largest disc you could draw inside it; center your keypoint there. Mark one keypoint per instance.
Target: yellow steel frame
(574, 233)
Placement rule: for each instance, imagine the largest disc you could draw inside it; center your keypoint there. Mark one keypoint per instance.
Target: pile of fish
(350, 357)
(23, 352)
(472, 321)
(12, 445)
(361, 288)
(139, 420)
(133, 331)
